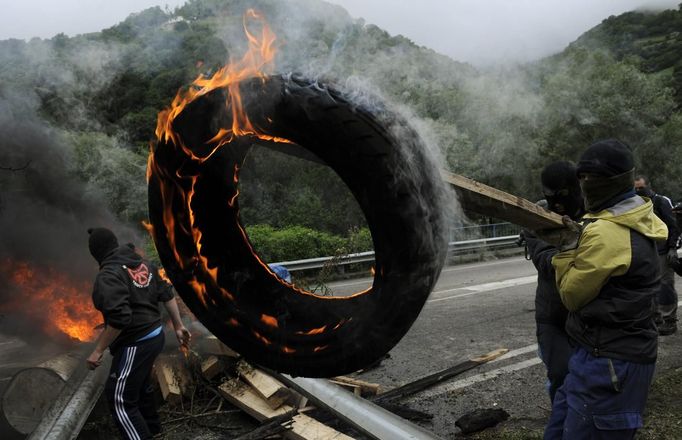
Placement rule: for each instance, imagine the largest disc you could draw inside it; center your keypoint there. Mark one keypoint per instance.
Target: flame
(270, 321)
(164, 276)
(258, 61)
(315, 331)
(262, 338)
(53, 297)
(177, 190)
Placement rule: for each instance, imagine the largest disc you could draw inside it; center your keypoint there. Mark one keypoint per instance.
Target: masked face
(642, 189)
(565, 201)
(599, 190)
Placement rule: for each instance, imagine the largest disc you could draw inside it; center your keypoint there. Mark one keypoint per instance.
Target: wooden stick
(206, 414)
(275, 425)
(365, 387)
(432, 379)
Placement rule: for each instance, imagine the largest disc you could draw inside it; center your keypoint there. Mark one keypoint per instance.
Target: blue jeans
(601, 398)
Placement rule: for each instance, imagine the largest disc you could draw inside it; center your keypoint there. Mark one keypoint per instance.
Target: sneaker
(667, 328)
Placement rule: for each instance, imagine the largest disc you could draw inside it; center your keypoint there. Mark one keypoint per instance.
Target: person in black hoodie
(561, 189)
(127, 292)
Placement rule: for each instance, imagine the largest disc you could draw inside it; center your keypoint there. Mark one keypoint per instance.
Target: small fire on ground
(60, 304)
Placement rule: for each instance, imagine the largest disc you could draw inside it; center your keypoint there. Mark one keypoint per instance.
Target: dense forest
(98, 96)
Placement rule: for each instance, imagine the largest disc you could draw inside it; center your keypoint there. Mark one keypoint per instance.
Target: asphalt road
(473, 310)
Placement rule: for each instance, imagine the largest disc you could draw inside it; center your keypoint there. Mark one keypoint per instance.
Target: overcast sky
(482, 32)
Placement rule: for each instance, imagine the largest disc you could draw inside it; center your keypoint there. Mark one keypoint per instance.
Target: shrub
(299, 242)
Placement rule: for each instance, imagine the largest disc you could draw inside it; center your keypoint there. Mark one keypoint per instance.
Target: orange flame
(257, 62)
(270, 321)
(262, 338)
(315, 331)
(177, 190)
(164, 276)
(48, 295)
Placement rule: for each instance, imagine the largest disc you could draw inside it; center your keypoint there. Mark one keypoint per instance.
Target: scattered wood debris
(172, 376)
(269, 388)
(435, 378)
(201, 381)
(365, 388)
(219, 371)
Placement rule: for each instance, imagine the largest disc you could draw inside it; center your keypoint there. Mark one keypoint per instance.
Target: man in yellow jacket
(607, 280)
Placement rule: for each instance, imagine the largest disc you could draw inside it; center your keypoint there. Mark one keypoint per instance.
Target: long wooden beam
(485, 200)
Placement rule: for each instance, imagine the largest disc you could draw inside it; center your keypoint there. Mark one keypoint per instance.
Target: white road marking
(487, 287)
(368, 281)
(517, 352)
(481, 377)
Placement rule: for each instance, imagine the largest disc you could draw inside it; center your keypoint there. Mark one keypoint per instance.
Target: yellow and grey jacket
(609, 281)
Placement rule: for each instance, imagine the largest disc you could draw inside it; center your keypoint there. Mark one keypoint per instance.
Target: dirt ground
(204, 418)
(662, 421)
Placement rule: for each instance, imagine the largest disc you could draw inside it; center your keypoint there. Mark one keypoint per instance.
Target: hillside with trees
(99, 94)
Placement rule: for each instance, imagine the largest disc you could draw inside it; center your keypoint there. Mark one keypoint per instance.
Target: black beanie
(101, 242)
(607, 158)
(560, 175)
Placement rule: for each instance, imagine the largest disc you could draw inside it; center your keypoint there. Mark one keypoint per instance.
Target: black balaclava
(101, 242)
(611, 165)
(561, 188)
(645, 191)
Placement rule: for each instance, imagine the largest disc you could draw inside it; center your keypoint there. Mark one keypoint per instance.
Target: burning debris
(193, 176)
(45, 269)
(51, 297)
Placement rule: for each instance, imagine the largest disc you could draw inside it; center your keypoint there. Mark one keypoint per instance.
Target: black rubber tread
(384, 164)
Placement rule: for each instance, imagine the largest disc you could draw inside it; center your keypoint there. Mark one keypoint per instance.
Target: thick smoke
(375, 70)
(44, 214)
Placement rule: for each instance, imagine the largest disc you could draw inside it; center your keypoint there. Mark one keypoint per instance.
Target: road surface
(474, 309)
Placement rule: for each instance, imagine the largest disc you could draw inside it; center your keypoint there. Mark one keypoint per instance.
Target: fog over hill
(99, 95)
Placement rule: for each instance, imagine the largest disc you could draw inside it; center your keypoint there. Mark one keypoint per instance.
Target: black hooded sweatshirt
(127, 292)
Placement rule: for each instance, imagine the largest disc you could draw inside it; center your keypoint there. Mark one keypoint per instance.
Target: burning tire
(194, 211)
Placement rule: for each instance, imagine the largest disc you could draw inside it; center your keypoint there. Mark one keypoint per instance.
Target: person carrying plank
(607, 280)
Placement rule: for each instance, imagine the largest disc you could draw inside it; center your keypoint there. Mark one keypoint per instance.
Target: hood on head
(123, 256)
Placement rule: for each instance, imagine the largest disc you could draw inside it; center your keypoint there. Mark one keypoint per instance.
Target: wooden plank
(307, 428)
(486, 200)
(355, 389)
(213, 345)
(368, 388)
(272, 390)
(245, 398)
(303, 427)
(211, 367)
(276, 425)
(432, 379)
(172, 376)
(297, 400)
(490, 356)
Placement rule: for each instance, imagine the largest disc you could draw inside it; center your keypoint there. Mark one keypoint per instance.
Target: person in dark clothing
(127, 291)
(666, 299)
(561, 189)
(607, 280)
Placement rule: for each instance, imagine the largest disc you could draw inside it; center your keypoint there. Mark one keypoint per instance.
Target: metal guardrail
(454, 248)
